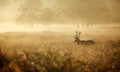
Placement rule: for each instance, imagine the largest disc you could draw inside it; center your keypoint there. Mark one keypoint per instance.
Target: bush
(4, 62)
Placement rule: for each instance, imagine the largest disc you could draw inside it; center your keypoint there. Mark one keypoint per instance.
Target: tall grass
(58, 53)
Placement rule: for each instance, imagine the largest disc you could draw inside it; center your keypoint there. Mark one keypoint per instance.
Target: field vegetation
(57, 52)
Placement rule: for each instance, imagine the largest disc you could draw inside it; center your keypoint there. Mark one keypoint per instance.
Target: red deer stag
(83, 42)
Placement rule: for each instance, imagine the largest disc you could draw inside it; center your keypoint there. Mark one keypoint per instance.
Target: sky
(74, 11)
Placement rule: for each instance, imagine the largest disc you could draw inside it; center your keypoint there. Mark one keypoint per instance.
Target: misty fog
(40, 15)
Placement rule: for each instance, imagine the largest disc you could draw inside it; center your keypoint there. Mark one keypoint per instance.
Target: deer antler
(79, 33)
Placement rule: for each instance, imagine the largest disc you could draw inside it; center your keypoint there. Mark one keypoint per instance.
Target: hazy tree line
(72, 11)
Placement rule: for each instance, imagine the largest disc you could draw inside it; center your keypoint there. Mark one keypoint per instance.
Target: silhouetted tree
(5, 2)
(91, 11)
(30, 11)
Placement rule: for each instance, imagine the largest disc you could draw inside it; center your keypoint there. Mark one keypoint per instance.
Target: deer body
(86, 42)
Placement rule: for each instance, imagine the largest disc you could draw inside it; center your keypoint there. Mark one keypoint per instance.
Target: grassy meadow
(57, 52)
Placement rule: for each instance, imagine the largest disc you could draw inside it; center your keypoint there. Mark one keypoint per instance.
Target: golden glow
(12, 27)
(97, 29)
